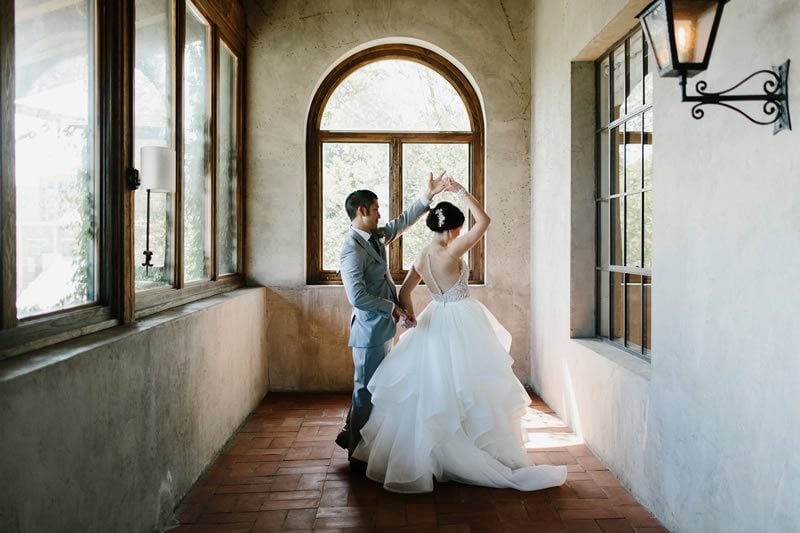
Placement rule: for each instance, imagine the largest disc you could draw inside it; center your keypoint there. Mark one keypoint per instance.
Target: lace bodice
(458, 291)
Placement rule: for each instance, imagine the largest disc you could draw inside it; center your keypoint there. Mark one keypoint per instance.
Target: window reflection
(196, 147)
(54, 121)
(154, 126)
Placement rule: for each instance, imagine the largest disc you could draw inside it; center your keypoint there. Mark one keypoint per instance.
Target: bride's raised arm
(464, 242)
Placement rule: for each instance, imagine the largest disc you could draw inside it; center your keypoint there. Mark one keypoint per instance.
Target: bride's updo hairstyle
(445, 216)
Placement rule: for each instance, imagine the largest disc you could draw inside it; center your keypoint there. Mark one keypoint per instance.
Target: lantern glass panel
(655, 23)
(693, 20)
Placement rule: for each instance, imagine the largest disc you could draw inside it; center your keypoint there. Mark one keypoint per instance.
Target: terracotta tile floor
(283, 472)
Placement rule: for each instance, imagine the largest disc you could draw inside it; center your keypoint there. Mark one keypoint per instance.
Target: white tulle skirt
(446, 404)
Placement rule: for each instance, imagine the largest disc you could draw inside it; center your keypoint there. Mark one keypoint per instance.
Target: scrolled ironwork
(774, 97)
(701, 85)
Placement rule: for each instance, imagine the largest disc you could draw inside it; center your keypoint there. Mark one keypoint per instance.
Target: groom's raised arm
(394, 228)
(353, 280)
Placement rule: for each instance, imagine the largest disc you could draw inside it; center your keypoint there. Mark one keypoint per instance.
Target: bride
(445, 401)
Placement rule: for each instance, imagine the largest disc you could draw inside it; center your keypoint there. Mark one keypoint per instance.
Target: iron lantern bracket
(775, 98)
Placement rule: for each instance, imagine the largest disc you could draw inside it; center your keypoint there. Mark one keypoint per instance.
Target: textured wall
(705, 436)
(292, 46)
(108, 432)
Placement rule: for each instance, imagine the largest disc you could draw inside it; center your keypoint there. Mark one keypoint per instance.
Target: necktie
(374, 242)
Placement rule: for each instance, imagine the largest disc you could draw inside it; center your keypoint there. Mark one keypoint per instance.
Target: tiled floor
(283, 472)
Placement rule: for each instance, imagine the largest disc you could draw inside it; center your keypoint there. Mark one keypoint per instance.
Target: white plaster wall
(706, 436)
(292, 46)
(108, 432)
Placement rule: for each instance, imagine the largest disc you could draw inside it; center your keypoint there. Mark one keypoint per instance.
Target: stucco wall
(108, 432)
(292, 46)
(705, 436)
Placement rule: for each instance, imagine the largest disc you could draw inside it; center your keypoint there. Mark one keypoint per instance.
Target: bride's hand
(453, 185)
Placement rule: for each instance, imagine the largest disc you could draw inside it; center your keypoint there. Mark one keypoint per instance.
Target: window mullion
(114, 60)
(396, 201)
(180, 39)
(8, 244)
(214, 149)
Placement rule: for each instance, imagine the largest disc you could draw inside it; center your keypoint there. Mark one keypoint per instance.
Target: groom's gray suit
(371, 291)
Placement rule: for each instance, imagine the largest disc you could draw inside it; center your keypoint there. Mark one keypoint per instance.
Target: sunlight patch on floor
(546, 430)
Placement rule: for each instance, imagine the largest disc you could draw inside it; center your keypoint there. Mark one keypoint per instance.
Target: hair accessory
(440, 215)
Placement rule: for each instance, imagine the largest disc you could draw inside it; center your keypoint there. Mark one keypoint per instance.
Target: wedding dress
(446, 404)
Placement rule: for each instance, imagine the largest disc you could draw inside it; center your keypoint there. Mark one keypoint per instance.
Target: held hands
(410, 322)
(435, 186)
(443, 183)
(453, 186)
(404, 318)
(399, 314)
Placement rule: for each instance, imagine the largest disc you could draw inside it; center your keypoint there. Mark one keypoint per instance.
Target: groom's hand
(398, 313)
(410, 322)
(435, 186)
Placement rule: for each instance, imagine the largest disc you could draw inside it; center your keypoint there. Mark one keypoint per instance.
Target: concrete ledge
(618, 356)
(109, 431)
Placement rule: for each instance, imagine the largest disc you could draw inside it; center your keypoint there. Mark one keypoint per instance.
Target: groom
(371, 292)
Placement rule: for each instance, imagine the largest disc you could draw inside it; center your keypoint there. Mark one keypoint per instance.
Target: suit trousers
(366, 362)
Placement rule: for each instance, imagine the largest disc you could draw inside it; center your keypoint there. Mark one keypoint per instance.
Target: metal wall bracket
(775, 97)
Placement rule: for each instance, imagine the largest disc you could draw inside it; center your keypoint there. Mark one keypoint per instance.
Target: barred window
(624, 192)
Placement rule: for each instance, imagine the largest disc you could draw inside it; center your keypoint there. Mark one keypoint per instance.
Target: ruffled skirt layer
(446, 404)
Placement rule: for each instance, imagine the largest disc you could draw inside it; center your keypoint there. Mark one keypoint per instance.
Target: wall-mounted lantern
(681, 35)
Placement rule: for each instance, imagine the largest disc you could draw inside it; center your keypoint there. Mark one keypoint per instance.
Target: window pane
(603, 173)
(647, 213)
(633, 230)
(617, 234)
(603, 92)
(605, 232)
(154, 126)
(633, 315)
(633, 154)
(617, 307)
(635, 94)
(649, 70)
(55, 153)
(395, 95)
(646, 294)
(618, 60)
(618, 164)
(196, 143)
(418, 161)
(347, 167)
(604, 284)
(647, 152)
(226, 163)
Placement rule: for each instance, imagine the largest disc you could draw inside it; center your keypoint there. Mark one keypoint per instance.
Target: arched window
(381, 120)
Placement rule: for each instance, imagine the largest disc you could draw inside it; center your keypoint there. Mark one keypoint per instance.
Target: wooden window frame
(223, 30)
(608, 309)
(315, 137)
(117, 301)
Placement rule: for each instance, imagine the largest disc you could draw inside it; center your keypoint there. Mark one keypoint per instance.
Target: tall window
(154, 123)
(55, 156)
(188, 99)
(624, 194)
(78, 104)
(382, 120)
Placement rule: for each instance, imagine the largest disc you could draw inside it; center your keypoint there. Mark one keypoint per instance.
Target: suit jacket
(368, 284)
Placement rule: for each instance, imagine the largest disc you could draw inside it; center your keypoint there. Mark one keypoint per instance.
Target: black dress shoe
(357, 466)
(343, 439)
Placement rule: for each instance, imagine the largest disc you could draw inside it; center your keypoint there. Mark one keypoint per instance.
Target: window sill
(617, 356)
(33, 361)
